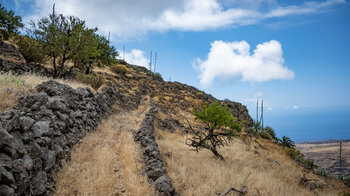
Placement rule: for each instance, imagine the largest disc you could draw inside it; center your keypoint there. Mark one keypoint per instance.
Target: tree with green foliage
(47, 32)
(94, 50)
(9, 23)
(108, 53)
(221, 127)
(87, 51)
(67, 38)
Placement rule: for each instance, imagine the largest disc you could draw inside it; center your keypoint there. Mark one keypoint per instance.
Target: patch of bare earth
(107, 162)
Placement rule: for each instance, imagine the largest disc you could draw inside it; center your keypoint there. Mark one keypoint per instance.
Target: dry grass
(13, 87)
(106, 162)
(193, 173)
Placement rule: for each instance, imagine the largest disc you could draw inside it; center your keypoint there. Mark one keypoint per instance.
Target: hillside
(139, 146)
(326, 155)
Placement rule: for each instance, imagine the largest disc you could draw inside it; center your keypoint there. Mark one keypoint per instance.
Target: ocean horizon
(310, 125)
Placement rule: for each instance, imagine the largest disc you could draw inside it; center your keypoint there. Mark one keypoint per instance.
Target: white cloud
(233, 59)
(125, 19)
(295, 107)
(136, 57)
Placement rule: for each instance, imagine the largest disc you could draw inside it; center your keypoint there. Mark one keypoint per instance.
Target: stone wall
(153, 160)
(40, 132)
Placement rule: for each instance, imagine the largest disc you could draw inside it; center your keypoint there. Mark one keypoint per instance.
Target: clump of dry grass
(270, 171)
(12, 87)
(106, 162)
(119, 69)
(96, 81)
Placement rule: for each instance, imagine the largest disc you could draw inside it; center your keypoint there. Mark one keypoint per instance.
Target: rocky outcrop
(40, 132)
(153, 160)
(9, 51)
(239, 111)
(7, 66)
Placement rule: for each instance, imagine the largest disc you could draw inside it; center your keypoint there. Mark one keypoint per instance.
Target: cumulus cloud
(136, 57)
(233, 59)
(125, 19)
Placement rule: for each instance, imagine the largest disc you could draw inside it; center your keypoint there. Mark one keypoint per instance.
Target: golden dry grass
(194, 173)
(106, 162)
(13, 87)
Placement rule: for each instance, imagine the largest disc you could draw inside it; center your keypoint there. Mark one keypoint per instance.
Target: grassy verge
(106, 162)
(12, 87)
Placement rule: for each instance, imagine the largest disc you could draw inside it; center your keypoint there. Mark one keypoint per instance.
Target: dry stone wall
(40, 132)
(153, 160)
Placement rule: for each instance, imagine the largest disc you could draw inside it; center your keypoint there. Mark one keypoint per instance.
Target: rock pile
(24, 68)
(41, 131)
(154, 167)
(10, 52)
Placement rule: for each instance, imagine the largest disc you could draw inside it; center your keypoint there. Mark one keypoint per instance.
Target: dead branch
(242, 192)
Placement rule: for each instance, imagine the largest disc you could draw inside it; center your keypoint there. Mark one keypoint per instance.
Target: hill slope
(108, 161)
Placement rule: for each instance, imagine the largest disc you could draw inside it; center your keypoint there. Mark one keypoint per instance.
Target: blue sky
(302, 62)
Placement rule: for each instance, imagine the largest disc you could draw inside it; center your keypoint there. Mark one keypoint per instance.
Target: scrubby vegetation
(119, 69)
(9, 23)
(221, 127)
(30, 49)
(110, 154)
(61, 39)
(93, 80)
(12, 87)
(66, 38)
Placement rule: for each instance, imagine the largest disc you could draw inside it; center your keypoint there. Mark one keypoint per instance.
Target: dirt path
(107, 161)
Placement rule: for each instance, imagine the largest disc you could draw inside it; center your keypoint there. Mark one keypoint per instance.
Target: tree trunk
(63, 62)
(54, 66)
(87, 70)
(216, 153)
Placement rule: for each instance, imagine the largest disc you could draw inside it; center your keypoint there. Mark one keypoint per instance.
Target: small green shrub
(344, 193)
(309, 164)
(30, 49)
(265, 135)
(270, 131)
(286, 142)
(293, 153)
(199, 93)
(94, 80)
(136, 68)
(10, 80)
(299, 157)
(119, 69)
(121, 61)
(323, 172)
(156, 74)
(161, 98)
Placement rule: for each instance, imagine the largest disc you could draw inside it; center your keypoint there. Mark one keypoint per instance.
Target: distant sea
(309, 125)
